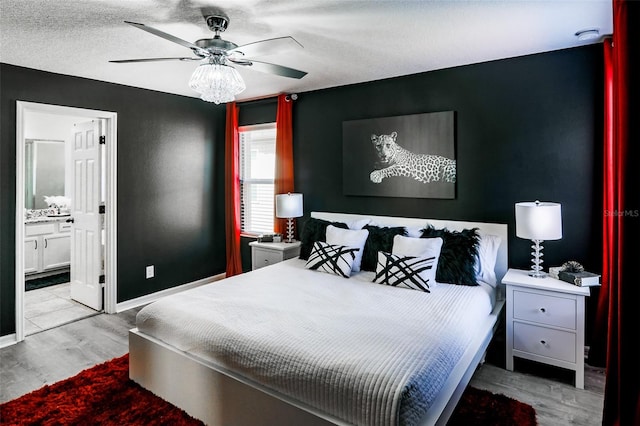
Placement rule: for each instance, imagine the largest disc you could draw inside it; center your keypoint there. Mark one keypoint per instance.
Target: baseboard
(11, 339)
(145, 300)
(8, 340)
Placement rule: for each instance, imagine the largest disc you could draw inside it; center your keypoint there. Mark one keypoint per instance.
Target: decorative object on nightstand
(538, 221)
(265, 254)
(269, 238)
(289, 206)
(574, 273)
(545, 321)
(554, 270)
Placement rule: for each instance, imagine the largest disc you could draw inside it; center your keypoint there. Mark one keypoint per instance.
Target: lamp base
(289, 230)
(536, 267)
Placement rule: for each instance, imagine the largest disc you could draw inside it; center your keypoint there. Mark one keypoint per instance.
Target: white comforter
(365, 353)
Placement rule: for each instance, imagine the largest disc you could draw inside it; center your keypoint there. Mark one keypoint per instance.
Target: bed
(287, 345)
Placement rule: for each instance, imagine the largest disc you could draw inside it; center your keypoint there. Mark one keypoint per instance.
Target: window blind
(257, 173)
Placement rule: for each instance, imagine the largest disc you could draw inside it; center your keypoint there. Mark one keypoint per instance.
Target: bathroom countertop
(41, 219)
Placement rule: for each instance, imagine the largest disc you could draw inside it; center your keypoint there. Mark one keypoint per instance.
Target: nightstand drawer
(544, 341)
(545, 309)
(265, 257)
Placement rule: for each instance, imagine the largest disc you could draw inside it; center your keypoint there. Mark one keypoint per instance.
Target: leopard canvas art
(411, 156)
(424, 168)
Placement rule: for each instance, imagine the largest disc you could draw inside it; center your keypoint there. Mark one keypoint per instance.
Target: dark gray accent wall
(527, 128)
(170, 180)
(257, 112)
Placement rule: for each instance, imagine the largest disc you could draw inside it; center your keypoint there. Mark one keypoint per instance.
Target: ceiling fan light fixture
(216, 81)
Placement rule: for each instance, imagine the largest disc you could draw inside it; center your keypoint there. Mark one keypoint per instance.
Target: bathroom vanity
(47, 245)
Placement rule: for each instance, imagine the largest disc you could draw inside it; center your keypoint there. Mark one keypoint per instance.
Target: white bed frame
(218, 396)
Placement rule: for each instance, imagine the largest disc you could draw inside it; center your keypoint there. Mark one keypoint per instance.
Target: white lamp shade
(539, 221)
(288, 205)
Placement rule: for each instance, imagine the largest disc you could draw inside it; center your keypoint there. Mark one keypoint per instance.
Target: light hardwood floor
(58, 353)
(53, 355)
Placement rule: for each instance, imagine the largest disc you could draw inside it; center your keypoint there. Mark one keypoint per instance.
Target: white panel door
(85, 231)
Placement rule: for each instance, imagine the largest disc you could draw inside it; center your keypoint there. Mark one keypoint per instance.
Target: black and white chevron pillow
(404, 271)
(337, 260)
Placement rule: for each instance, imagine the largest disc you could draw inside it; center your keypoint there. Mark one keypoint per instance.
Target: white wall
(49, 126)
(53, 127)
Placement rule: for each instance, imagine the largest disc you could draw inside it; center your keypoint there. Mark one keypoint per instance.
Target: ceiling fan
(215, 74)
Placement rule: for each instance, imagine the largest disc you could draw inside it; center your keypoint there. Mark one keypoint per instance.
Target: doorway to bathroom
(65, 215)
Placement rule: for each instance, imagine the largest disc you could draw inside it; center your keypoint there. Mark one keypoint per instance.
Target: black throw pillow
(458, 255)
(315, 230)
(379, 239)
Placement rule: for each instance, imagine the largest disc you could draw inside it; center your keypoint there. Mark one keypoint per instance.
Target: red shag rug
(104, 395)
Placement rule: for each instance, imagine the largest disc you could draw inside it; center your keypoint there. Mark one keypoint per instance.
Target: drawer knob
(543, 310)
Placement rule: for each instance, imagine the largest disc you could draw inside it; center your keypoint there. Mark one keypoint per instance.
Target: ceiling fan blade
(270, 68)
(267, 47)
(126, 61)
(169, 37)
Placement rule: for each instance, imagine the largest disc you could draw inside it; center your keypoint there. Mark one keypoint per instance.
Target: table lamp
(538, 221)
(289, 206)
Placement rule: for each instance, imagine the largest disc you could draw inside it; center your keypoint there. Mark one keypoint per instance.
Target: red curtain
(284, 154)
(598, 350)
(232, 192)
(619, 296)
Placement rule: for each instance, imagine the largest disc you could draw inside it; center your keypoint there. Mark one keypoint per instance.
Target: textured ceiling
(345, 41)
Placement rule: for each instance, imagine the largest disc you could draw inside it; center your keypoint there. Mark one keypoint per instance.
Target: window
(257, 174)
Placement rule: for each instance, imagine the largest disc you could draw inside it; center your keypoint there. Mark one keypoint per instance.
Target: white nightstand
(265, 254)
(545, 321)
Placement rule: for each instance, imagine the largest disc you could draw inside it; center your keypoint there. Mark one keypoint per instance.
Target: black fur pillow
(315, 230)
(379, 239)
(458, 255)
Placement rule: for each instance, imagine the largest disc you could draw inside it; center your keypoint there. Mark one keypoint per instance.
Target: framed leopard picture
(405, 156)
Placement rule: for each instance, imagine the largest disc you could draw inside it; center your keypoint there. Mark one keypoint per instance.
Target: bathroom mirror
(44, 171)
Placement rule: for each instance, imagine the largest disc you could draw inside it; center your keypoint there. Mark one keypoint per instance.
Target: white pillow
(404, 271)
(349, 238)
(486, 260)
(337, 260)
(358, 224)
(414, 231)
(420, 247)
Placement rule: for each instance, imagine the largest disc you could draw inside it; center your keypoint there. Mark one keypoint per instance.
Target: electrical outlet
(150, 271)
